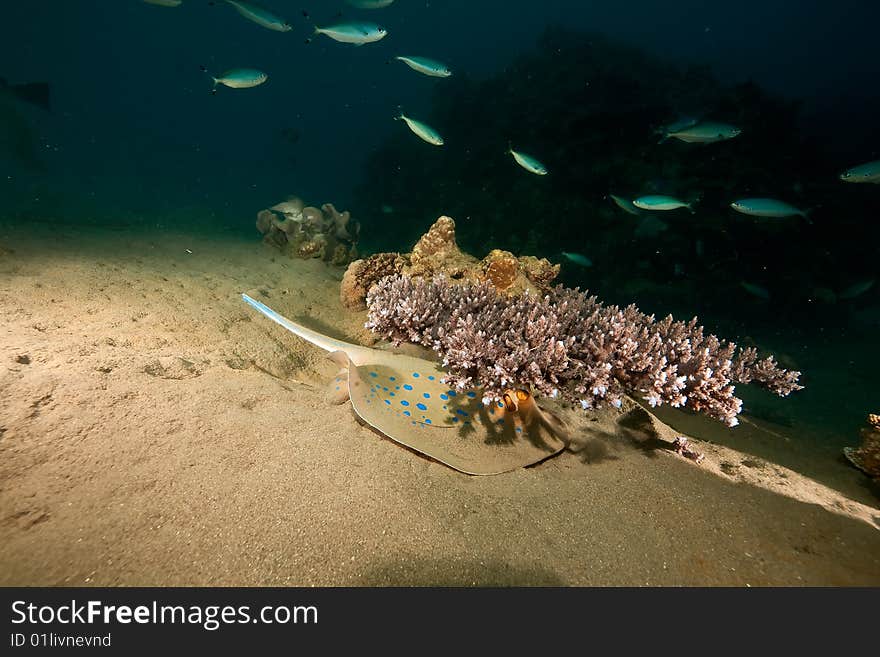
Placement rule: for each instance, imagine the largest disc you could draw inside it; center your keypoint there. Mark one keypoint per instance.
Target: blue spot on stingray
(491, 411)
(519, 429)
(388, 402)
(415, 375)
(407, 413)
(397, 387)
(373, 374)
(391, 378)
(501, 421)
(427, 421)
(403, 402)
(337, 387)
(445, 407)
(407, 387)
(451, 393)
(471, 394)
(500, 404)
(444, 396)
(391, 393)
(431, 377)
(421, 407)
(461, 412)
(385, 389)
(426, 395)
(455, 419)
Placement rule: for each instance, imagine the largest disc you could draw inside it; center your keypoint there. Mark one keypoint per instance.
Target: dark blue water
(133, 123)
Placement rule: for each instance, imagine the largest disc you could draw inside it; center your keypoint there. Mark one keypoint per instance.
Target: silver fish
(766, 207)
(856, 289)
(578, 259)
(356, 33)
(755, 290)
(424, 131)
(369, 4)
(165, 3)
(661, 202)
(239, 78)
(426, 66)
(707, 132)
(260, 16)
(864, 173)
(528, 163)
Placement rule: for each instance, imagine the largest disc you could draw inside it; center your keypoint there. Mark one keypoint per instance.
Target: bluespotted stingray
(404, 398)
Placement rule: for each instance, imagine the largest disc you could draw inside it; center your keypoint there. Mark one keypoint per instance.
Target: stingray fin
(337, 389)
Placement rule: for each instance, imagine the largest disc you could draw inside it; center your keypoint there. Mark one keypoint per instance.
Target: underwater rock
(437, 252)
(867, 457)
(308, 232)
(361, 274)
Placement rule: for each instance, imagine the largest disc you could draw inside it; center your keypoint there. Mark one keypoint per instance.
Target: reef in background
(308, 232)
(437, 252)
(588, 109)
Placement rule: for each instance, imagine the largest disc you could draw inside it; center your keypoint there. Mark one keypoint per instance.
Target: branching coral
(569, 344)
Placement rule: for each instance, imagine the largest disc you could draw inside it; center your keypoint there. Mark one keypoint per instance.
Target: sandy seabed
(154, 430)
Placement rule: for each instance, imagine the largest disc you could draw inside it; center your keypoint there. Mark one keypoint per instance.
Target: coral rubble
(568, 344)
(309, 232)
(867, 457)
(437, 252)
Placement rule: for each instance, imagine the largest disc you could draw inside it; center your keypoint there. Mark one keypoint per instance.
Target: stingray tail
(325, 342)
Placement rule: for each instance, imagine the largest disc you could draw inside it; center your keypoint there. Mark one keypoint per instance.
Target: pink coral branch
(568, 344)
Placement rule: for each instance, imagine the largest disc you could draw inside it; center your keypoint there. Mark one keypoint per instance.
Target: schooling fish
(528, 163)
(623, 204)
(239, 78)
(660, 202)
(766, 207)
(426, 132)
(864, 173)
(707, 132)
(426, 66)
(260, 15)
(369, 4)
(578, 259)
(165, 3)
(755, 290)
(356, 33)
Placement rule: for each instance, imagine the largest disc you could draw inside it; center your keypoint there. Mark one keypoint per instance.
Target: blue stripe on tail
(267, 311)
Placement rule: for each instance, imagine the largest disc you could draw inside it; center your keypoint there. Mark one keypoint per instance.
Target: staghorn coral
(437, 252)
(568, 344)
(308, 232)
(867, 457)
